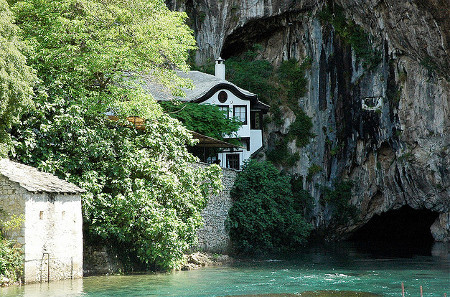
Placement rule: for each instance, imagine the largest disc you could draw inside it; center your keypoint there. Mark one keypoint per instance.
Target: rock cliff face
(385, 127)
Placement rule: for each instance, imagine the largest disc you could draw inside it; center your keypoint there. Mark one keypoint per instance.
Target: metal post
(48, 265)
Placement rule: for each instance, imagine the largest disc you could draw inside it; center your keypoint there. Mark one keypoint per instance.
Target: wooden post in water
(421, 291)
(403, 290)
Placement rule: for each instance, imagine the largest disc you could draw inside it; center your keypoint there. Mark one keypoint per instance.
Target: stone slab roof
(34, 180)
(202, 82)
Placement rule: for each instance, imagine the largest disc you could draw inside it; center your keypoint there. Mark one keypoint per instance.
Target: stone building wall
(13, 204)
(51, 235)
(213, 237)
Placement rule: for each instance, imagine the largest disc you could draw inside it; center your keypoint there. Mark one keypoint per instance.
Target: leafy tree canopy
(90, 50)
(265, 216)
(145, 193)
(16, 78)
(206, 119)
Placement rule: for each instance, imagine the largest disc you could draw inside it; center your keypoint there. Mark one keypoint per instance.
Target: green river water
(338, 268)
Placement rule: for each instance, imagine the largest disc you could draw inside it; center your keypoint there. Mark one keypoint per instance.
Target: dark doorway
(401, 232)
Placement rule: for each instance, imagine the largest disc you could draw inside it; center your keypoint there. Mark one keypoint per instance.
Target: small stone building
(51, 234)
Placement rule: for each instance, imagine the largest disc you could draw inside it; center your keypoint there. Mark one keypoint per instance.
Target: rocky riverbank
(199, 260)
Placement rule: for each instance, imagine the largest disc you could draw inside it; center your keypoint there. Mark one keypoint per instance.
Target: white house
(51, 234)
(237, 102)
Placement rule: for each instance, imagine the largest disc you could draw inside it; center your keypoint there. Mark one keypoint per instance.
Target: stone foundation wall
(213, 237)
(100, 260)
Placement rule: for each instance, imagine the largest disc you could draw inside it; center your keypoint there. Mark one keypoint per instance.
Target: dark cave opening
(401, 232)
(255, 31)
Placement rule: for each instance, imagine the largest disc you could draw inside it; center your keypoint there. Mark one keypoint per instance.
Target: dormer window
(240, 112)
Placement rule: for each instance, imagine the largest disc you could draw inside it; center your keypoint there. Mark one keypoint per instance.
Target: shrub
(265, 217)
(292, 77)
(281, 155)
(206, 119)
(338, 198)
(300, 129)
(11, 262)
(313, 170)
(11, 254)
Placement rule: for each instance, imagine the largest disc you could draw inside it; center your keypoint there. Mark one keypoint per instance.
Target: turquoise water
(337, 267)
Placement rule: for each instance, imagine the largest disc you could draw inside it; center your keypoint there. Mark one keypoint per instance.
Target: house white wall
(232, 100)
(244, 131)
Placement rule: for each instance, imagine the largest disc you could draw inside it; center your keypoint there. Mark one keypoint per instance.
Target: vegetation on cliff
(338, 199)
(352, 34)
(144, 194)
(266, 216)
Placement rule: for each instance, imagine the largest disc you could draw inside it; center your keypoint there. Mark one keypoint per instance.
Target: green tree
(145, 192)
(11, 253)
(94, 51)
(206, 119)
(16, 78)
(265, 216)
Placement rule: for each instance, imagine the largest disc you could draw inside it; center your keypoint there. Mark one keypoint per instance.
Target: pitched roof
(34, 180)
(202, 82)
(205, 85)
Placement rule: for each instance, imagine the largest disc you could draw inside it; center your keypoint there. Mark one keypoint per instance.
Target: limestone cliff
(396, 148)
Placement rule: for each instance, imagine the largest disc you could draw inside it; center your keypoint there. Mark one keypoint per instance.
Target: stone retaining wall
(213, 237)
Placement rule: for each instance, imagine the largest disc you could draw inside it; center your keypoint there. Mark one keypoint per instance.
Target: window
(240, 112)
(225, 110)
(233, 161)
(245, 143)
(255, 120)
(223, 96)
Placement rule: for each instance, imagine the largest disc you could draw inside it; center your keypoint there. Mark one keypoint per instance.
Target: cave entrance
(401, 232)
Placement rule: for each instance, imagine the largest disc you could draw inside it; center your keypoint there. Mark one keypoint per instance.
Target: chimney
(220, 68)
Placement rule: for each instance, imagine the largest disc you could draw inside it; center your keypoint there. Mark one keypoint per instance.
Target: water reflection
(66, 288)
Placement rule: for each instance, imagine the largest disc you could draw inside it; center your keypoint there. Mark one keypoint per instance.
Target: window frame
(228, 109)
(245, 112)
(246, 141)
(236, 158)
